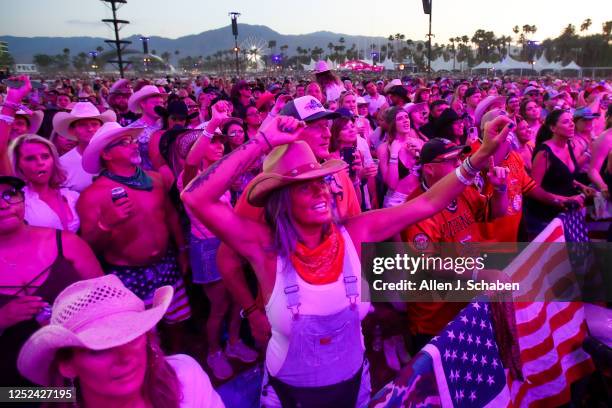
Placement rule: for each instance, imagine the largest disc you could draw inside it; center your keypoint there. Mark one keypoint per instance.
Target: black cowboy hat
(175, 108)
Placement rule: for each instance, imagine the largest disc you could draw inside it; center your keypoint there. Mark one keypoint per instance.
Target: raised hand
(495, 134)
(497, 175)
(281, 130)
(16, 95)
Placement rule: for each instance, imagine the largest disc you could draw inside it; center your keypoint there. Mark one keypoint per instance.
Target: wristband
(207, 134)
(245, 313)
(393, 160)
(461, 178)
(266, 139)
(469, 169)
(7, 119)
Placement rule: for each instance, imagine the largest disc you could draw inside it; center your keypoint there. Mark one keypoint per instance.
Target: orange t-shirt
(456, 223)
(347, 203)
(505, 229)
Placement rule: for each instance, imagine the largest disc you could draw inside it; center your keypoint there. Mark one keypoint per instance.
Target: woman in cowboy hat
(328, 81)
(102, 340)
(36, 264)
(315, 356)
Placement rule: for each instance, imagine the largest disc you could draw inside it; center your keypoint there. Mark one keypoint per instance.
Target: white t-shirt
(78, 179)
(39, 214)
(374, 103)
(195, 384)
(333, 91)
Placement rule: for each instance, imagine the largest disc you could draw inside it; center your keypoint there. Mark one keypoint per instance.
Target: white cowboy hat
(483, 105)
(391, 84)
(144, 92)
(34, 118)
(321, 66)
(96, 314)
(80, 110)
(108, 133)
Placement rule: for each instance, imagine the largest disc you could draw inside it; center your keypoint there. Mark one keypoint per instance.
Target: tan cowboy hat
(121, 86)
(391, 84)
(321, 66)
(34, 118)
(486, 104)
(95, 314)
(80, 110)
(143, 93)
(288, 164)
(108, 133)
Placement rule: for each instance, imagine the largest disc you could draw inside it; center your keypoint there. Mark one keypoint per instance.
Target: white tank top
(315, 300)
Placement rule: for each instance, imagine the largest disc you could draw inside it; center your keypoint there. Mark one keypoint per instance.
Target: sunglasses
(13, 196)
(124, 143)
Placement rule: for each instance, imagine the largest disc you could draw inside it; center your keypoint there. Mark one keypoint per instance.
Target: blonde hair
(58, 175)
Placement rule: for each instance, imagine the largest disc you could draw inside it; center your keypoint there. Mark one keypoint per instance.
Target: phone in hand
(348, 155)
(13, 83)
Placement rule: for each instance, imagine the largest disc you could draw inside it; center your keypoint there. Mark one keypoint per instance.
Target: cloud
(86, 23)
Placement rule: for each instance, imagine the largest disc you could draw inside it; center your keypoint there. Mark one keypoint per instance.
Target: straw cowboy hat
(34, 119)
(321, 66)
(80, 110)
(288, 164)
(483, 105)
(107, 134)
(96, 314)
(395, 82)
(143, 93)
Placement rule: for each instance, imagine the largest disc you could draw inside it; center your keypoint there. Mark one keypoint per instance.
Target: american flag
(465, 358)
(550, 333)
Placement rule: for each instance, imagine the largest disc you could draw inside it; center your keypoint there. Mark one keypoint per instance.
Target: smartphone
(348, 155)
(472, 134)
(118, 193)
(13, 83)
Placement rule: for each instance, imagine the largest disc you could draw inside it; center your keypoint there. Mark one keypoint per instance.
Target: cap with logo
(308, 109)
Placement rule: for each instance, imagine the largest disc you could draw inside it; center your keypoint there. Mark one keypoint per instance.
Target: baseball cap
(361, 101)
(308, 109)
(15, 182)
(440, 148)
(585, 113)
(531, 89)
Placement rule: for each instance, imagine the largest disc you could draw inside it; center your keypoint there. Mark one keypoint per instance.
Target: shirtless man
(132, 233)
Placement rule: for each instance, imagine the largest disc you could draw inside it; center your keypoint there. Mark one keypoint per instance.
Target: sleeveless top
(558, 179)
(319, 300)
(61, 273)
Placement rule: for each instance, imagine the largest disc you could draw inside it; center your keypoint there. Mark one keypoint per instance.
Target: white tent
(510, 63)
(331, 64)
(543, 64)
(439, 64)
(555, 66)
(573, 66)
(310, 66)
(388, 65)
(484, 65)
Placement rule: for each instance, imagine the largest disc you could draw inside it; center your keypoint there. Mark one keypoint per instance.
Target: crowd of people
(134, 196)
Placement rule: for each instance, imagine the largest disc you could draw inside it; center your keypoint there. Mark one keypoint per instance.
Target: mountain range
(205, 43)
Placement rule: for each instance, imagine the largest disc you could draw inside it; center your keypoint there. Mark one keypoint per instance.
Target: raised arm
(376, 226)
(13, 99)
(203, 194)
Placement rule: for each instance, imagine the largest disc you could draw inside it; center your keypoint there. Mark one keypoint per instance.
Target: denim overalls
(325, 365)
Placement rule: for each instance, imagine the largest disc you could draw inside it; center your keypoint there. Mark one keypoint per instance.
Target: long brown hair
(336, 127)
(390, 116)
(161, 385)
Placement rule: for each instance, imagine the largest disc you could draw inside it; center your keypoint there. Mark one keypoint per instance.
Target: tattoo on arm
(239, 170)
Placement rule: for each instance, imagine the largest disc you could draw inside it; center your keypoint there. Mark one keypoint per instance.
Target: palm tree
(586, 24)
(331, 47)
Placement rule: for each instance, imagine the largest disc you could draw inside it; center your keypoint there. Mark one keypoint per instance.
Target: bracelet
(207, 134)
(393, 160)
(501, 189)
(102, 227)
(461, 178)
(266, 139)
(469, 168)
(7, 119)
(245, 313)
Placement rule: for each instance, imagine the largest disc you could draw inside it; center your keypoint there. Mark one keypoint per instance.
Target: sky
(176, 18)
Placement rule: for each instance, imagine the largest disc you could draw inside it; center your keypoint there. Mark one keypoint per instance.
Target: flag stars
(451, 334)
(461, 336)
(446, 354)
(464, 357)
(464, 319)
(469, 339)
(483, 360)
(488, 344)
(494, 363)
(474, 322)
(454, 355)
(435, 338)
(468, 376)
(479, 378)
(473, 396)
(478, 342)
(476, 306)
(483, 324)
(486, 307)
(490, 380)
(474, 359)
